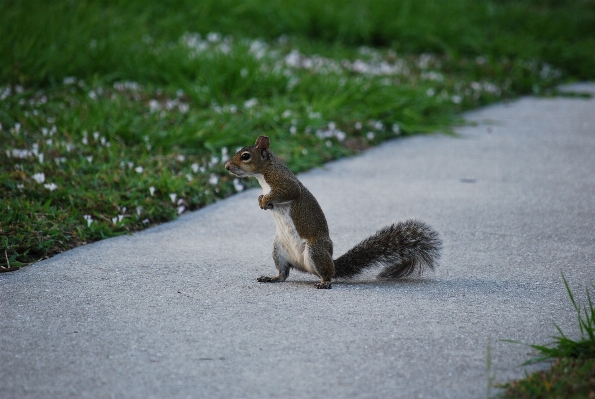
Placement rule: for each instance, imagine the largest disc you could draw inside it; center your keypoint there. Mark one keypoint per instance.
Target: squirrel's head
(250, 160)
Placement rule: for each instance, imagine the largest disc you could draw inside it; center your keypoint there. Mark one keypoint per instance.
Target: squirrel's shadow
(368, 283)
(452, 285)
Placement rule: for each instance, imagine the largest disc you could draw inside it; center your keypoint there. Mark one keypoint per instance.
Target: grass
(118, 115)
(567, 379)
(573, 373)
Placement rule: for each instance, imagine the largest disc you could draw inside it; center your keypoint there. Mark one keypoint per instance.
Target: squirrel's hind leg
(281, 263)
(320, 259)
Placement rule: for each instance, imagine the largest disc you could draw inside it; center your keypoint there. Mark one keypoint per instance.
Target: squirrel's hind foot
(267, 279)
(323, 286)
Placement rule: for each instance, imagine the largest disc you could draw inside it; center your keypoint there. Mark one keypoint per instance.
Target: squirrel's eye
(245, 156)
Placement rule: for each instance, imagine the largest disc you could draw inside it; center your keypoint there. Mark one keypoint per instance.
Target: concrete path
(176, 312)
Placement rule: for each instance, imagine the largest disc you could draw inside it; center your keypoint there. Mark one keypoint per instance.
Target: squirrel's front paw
(264, 205)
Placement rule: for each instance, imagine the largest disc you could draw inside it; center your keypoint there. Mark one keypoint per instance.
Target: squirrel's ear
(263, 143)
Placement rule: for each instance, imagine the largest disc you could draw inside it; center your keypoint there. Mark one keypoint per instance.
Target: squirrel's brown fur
(303, 241)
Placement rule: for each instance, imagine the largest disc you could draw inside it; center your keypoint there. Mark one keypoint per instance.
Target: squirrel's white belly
(295, 247)
(263, 183)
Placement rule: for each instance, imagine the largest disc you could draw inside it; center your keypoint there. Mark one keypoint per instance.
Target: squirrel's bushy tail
(402, 248)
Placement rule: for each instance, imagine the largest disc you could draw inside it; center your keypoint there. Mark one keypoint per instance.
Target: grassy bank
(46, 41)
(119, 115)
(572, 375)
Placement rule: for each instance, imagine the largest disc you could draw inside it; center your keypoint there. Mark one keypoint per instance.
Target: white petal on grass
(173, 197)
(154, 106)
(139, 169)
(370, 135)
(214, 37)
(115, 220)
(17, 153)
(293, 59)
(225, 48)
(195, 167)
(238, 185)
(170, 104)
(51, 186)
(214, 161)
(183, 108)
(213, 180)
(181, 209)
(432, 75)
(89, 219)
(39, 177)
(152, 190)
(139, 210)
(145, 221)
(258, 49)
(396, 129)
(250, 103)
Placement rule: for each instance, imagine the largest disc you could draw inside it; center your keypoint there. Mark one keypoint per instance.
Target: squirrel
(303, 242)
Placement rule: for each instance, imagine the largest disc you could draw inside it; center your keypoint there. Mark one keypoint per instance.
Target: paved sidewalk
(176, 312)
